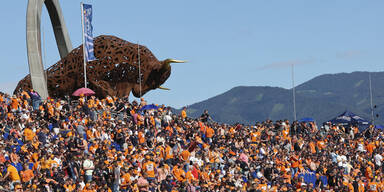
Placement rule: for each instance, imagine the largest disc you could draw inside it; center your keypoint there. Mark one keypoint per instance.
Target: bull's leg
(102, 88)
(123, 89)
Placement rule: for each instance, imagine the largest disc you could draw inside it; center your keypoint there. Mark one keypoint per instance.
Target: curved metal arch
(63, 41)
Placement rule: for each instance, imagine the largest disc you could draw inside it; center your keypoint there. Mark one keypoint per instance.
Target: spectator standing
(35, 98)
(88, 167)
(116, 177)
(205, 117)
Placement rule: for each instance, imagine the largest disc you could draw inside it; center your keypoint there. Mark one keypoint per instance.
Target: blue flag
(88, 37)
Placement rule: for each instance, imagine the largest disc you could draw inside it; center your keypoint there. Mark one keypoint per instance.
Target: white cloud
(283, 64)
(349, 54)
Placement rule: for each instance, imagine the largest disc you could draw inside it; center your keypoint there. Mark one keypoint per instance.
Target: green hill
(322, 98)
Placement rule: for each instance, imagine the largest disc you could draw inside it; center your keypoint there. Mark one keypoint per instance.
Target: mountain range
(322, 98)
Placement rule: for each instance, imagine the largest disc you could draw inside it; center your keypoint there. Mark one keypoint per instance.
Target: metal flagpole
(85, 63)
(138, 53)
(293, 93)
(370, 94)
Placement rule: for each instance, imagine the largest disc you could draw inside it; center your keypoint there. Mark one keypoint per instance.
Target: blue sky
(228, 43)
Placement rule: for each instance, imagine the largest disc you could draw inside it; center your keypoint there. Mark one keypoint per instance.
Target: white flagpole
(85, 63)
(138, 53)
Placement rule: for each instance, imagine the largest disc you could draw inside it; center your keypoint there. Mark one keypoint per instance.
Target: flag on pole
(87, 31)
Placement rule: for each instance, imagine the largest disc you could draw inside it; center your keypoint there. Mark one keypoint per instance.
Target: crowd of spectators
(110, 144)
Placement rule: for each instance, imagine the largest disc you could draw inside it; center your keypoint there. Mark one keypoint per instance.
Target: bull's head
(155, 78)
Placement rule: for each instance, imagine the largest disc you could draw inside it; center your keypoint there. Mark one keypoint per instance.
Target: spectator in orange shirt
(27, 175)
(149, 168)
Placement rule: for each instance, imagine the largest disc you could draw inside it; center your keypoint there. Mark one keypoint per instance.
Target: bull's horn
(163, 88)
(168, 61)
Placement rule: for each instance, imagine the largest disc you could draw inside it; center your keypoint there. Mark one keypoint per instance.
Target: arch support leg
(36, 68)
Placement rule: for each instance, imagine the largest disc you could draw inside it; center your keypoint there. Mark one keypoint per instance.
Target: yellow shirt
(13, 174)
(46, 164)
(183, 114)
(28, 134)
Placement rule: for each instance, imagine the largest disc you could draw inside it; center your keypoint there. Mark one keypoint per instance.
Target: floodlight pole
(294, 94)
(138, 53)
(370, 94)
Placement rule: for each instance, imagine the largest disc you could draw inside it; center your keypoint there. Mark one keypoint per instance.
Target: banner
(87, 32)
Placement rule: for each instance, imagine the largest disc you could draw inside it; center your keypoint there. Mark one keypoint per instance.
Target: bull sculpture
(115, 71)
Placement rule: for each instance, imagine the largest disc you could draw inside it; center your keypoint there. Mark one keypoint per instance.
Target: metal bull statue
(115, 72)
